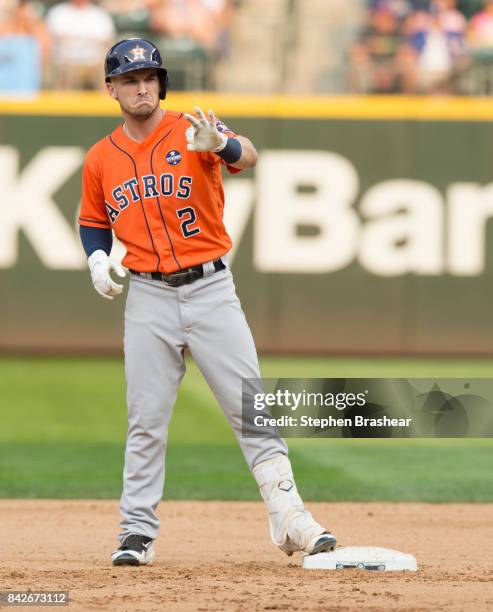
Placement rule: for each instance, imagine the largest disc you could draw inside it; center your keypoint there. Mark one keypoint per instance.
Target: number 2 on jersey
(189, 218)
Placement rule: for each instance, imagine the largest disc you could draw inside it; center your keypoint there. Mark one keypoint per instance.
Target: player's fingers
(115, 288)
(193, 120)
(190, 134)
(112, 293)
(200, 113)
(212, 118)
(103, 294)
(105, 285)
(191, 146)
(119, 271)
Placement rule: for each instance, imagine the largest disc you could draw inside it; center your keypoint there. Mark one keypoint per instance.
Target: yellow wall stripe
(323, 107)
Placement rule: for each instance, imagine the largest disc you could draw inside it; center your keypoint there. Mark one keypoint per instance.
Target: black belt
(186, 276)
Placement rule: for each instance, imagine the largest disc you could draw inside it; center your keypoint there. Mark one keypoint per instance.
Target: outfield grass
(63, 424)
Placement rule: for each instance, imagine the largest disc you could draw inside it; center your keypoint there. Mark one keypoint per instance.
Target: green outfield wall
(364, 228)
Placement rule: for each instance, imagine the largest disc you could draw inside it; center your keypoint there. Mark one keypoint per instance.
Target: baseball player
(156, 182)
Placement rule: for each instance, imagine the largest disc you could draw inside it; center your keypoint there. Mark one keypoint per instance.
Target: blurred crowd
(297, 46)
(424, 46)
(65, 41)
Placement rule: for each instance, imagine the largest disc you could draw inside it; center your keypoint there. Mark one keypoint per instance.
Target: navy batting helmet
(134, 54)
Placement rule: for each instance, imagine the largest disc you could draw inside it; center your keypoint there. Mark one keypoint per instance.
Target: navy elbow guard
(232, 151)
(95, 239)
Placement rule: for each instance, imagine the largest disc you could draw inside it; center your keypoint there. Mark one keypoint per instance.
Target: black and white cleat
(326, 543)
(135, 549)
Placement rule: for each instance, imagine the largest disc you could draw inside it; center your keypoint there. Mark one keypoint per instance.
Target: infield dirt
(218, 556)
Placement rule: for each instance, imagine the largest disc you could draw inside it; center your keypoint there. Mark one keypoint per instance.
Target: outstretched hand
(203, 134)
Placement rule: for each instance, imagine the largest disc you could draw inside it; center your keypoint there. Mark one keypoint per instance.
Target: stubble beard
(143, 113)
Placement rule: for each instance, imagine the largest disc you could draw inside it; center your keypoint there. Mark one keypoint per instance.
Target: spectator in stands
(204, 22)
(24, 47)
(481, 27)
(373, 56)
(131, 15)
(82, 33)
(19, 17)
(435, 47)
(399, 8)
(128, 6)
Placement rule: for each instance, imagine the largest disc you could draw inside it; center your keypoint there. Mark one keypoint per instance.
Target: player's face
(137, 92)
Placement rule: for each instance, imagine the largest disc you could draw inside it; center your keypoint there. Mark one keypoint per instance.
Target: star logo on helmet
(138, 53)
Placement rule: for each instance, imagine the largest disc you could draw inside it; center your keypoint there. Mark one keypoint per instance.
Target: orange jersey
(164, 203)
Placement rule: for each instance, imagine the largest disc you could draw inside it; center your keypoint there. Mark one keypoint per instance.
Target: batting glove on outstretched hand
(203, 134)
(101, 266)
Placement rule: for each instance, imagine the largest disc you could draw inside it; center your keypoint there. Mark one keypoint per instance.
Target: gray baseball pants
(160, 321)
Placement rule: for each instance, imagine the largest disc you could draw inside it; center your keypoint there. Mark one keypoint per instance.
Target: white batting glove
(101, 266)
(203, 134)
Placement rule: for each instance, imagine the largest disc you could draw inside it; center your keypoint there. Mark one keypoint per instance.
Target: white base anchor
(361, 557)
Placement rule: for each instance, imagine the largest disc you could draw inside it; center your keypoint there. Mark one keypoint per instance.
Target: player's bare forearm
(249, 154)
